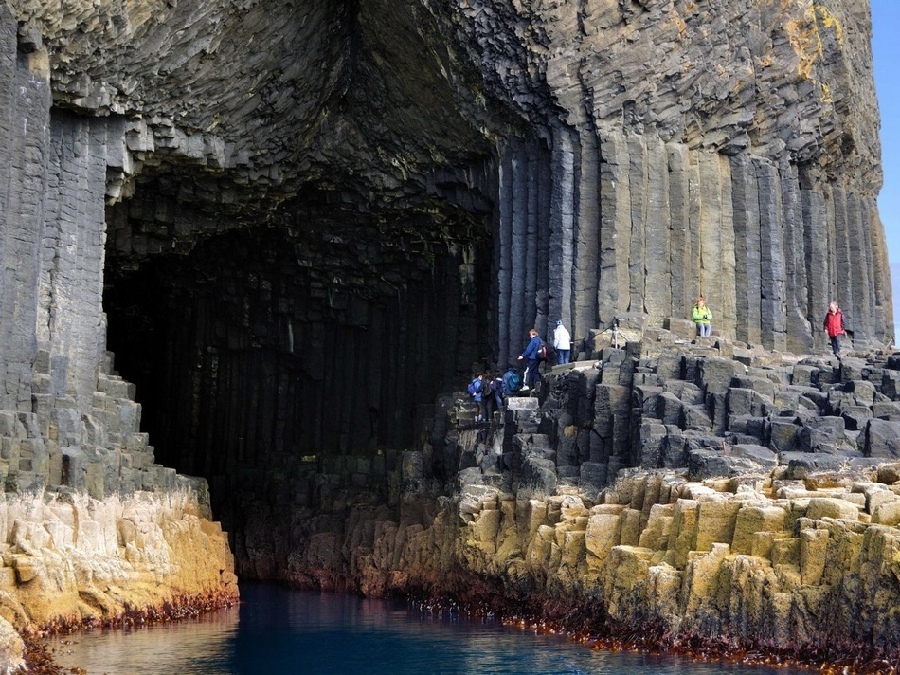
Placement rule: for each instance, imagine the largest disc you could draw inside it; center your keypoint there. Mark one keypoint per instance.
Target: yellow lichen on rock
(67, 560)
(709, 559)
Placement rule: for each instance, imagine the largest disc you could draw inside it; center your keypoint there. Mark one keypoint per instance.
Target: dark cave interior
(316, 334)
(310, 299)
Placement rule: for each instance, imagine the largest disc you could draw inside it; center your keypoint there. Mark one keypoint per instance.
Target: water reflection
(190, 647)
(279, 632)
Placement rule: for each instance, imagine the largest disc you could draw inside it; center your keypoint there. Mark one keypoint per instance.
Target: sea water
(276, 631)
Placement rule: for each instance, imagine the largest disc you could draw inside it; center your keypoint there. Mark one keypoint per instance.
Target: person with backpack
(476, 391)
(511, 381)
(487, 397)
(535, 351)
(497, 386)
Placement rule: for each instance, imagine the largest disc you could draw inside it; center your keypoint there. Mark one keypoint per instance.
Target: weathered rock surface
(69, 560)
(759, 560)
(12, 649)
(72, 560)
(301, 222)
(322, 189)
(752, 512)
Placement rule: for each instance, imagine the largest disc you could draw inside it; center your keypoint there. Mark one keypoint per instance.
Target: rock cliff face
(296, 224)
(73, 560)
(92, 529)
(763, 516)
(373, 192)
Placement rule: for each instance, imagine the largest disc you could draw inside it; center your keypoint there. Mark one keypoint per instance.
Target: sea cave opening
(321, 337)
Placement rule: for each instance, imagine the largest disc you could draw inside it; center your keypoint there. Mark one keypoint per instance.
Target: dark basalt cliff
(296, 223)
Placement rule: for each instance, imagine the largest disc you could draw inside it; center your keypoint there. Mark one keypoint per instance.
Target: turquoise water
(276, 631)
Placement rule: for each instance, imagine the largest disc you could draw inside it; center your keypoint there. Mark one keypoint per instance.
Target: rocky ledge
(759, 515)
(69, 560)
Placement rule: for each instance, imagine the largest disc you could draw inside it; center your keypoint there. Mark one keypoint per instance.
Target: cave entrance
(255, 348)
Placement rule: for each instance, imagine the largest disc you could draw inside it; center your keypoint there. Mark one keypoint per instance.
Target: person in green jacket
(702, 317)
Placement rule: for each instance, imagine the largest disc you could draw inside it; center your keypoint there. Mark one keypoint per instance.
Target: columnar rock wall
(584, 162)
(757, 562)
(67, 418)
(25, 93)
(647, 152)
(91, 526)
(530, 159)
(676, 170)
(318, 367)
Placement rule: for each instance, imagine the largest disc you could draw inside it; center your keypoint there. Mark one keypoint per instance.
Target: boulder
(686, 392)
(538, 475)
(755, 453)
(805, 376)
(881, 438)
(887, 513)
(705, 463)
(761, 385)
(862, 390)
(851, 368)
(798, 465)
(826, 507)
(695, 417)
(593, 475)
(818, 432)
(889, 411)
(714, 373)
(748, 402)
(890, 384)
(784, 433)
(752, 520)
(680, 328)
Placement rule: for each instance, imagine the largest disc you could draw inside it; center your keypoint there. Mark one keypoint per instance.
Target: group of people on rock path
(489, 390)
(536, 351)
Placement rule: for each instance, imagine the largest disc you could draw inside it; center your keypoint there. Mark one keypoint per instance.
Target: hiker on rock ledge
(561, 343)
(702, 317)
(834, 326)
(532, 355)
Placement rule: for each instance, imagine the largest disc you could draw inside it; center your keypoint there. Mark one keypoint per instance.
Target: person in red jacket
(834, 326)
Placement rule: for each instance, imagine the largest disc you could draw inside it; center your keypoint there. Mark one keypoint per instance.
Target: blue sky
(886, 48)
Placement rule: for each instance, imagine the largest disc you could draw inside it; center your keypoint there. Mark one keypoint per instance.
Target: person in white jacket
(561, 341)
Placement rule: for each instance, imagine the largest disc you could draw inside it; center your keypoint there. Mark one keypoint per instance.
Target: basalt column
(722, 148)
(24, 146)
(523, 240)
(66, 421)
(645, 226)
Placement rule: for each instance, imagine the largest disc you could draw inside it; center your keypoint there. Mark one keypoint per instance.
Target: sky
(886, 50)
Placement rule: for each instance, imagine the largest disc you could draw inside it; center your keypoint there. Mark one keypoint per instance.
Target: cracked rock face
(303, 91)
(302, 219)
(621, 156)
